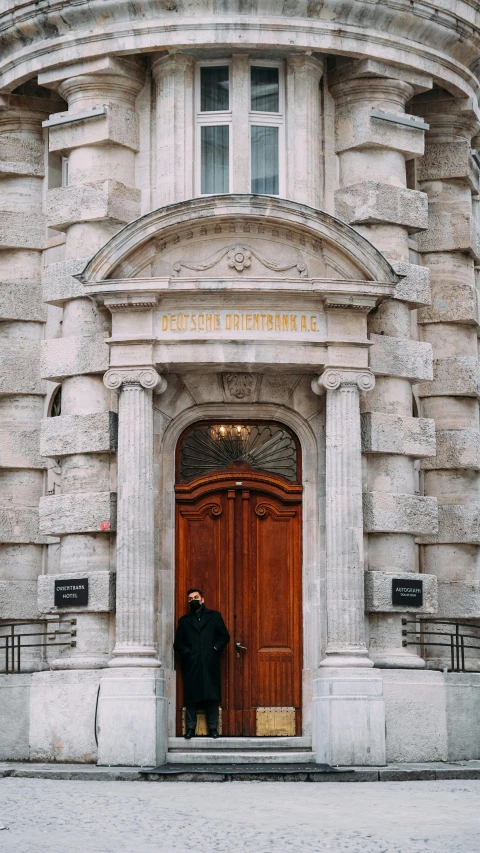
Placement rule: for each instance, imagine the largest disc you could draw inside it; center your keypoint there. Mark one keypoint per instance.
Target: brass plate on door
(202, 728)
(275, 722)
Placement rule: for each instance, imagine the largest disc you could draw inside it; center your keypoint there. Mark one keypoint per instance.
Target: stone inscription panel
(241, 323)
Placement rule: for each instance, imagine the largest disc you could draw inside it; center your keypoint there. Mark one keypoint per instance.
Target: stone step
(245, 757)
(238, 744)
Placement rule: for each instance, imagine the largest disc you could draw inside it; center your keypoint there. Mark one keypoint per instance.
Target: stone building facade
(227, 228)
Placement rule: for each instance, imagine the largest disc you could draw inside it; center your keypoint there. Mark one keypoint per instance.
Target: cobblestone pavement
(251, 817)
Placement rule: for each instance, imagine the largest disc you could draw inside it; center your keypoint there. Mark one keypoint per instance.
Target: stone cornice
(333, 378)
(411, 39)
(118, 377)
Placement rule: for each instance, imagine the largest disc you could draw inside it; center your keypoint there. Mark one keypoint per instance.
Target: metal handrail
(456, 639)
(13, 642)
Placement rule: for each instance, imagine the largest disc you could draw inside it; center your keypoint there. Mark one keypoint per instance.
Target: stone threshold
(241, 773)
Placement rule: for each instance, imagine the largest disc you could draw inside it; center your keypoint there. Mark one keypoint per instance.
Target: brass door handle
(239, 648)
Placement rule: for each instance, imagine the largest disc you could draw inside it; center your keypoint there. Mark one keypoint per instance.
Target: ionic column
(344, 517)
(135, 524)
(132, 708)
(304, 137)
(348, 705)
(173, 76)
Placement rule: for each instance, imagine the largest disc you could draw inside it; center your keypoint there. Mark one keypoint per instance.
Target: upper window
(231, 98)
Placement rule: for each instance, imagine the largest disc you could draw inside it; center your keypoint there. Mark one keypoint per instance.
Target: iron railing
(16, 636)
(456, 636)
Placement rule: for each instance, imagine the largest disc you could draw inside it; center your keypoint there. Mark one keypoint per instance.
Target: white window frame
(265, 119)
(251, 118)
(208, 119)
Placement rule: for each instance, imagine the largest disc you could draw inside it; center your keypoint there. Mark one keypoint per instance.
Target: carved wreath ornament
(239, 258)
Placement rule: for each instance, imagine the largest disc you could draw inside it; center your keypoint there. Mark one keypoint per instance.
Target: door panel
(240, 542)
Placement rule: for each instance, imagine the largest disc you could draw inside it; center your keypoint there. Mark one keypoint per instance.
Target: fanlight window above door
(269, 447)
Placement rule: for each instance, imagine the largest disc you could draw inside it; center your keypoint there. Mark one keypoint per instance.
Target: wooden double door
(238, 538)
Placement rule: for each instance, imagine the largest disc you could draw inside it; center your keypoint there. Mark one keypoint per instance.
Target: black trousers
(211, 711)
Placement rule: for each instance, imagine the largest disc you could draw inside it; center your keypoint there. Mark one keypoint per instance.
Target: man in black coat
(200, 638)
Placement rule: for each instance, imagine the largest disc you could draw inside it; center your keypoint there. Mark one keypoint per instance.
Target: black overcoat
(194, 641)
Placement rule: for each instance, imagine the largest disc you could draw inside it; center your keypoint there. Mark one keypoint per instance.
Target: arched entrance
(238, 538)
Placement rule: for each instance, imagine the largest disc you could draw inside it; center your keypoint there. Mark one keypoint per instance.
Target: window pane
(264, 160)
(264, 89)
(214, 88)
(214, 145)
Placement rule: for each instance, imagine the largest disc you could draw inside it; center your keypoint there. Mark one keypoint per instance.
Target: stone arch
(329, 248)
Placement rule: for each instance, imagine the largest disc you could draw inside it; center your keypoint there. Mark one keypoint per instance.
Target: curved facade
(253, 222)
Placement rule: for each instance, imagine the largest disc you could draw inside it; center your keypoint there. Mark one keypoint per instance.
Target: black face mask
(195, 605)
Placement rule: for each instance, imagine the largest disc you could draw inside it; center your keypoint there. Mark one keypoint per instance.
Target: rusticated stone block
(456, 448)
(22, 300)
(72, 356)
(453, 377)
(355, 127)
(19, 372)
(85, 512)
(414, 286)
(22, 155)
(19, 449)
(394, 434)
(399, 357)
(451, 232)
(396, 513)
(20, 525)
(375, 202)
(459, 599)
(101, 592)
(59, 284)
(456, 523)
(70, 434)
(451, 303)
(99, 201)
(18, 599)
(20, 230)
(378, 592)
(118, 125)
(452, 160)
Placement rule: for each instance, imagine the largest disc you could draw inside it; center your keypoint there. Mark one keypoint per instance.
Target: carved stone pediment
(228, 238)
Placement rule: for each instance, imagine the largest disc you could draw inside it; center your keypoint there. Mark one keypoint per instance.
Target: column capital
(167, 64)
(333, 378)
(117, 377)
(306, 63)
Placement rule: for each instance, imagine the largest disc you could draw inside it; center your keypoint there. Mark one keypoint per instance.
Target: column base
(124, 656)
(132, 717)
(348, 717)
(347, 659)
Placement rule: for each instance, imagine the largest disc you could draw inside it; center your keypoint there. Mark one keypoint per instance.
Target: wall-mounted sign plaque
(407, 593)
(72, 592)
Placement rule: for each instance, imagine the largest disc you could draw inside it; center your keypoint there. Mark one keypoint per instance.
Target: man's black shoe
(213, 733)
(189, 734)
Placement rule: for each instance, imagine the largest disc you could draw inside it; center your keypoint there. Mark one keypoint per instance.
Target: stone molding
(118, 377)
(332, 378)
(413, 42)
